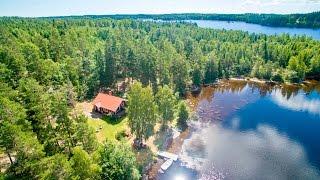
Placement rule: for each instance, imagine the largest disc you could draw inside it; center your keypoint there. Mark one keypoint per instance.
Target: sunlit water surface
(250, 131)
(251, 28)
(256, 28)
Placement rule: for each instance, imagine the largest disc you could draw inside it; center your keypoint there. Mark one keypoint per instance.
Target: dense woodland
(48, 64)
(309, 20)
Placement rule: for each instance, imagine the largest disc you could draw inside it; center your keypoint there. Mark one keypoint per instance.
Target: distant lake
(245, 130)
(255, 28)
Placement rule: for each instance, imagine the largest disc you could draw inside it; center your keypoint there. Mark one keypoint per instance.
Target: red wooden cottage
(108, 104)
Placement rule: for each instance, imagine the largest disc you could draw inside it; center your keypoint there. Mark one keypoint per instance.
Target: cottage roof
(107, 101)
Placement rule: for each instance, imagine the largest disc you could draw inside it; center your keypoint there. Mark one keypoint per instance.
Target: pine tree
(211, 71)
(196, 76)
(110, 64)
(179, 71)
(183, 116)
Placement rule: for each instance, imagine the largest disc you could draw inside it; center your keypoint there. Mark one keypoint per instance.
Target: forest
(309, 20)
(48, 64)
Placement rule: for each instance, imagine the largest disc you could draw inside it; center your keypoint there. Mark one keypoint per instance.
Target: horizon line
(135, 14)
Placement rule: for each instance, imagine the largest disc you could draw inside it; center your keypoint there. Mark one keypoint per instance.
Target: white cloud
(297, 103)
(278, 2)
(262, 2)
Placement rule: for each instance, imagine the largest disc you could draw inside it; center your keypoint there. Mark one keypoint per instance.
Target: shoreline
(176, 145)
(270, 82)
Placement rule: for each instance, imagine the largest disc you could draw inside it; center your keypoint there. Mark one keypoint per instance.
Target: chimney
(110, 92)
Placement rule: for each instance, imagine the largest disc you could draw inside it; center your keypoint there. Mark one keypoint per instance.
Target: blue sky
(33, 8)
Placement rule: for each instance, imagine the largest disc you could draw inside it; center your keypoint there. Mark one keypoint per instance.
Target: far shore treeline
(48, 64)
(308, 20)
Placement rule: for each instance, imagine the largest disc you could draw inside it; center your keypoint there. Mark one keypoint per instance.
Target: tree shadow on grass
(113, 120)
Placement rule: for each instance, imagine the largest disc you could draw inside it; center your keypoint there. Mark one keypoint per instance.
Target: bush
(121, 135)
(277, 77)
(291, 76)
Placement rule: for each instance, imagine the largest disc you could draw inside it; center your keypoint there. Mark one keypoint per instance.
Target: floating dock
(167, 155)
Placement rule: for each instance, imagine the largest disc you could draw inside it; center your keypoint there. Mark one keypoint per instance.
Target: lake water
(255, 28)
(250, 131)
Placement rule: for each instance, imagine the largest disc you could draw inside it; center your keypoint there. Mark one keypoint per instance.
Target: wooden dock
(167, 155)
(176, 133)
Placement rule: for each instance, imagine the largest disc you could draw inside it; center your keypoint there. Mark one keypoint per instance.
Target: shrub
(277, 77)
(121, 135)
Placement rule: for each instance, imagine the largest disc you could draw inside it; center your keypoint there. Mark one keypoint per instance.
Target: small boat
(160, 171)
(166, 164)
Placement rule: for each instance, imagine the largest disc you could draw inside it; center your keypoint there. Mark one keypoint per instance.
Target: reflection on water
(251, 131)
(259, 154)
(297, 103)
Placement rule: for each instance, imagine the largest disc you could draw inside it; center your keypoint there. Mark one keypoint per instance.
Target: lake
(245, 130)
(251, 28)
(256, 28)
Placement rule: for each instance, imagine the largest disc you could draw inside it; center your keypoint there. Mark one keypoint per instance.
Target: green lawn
(110, 127)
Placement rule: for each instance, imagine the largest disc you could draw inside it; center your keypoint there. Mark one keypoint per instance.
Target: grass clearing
(107, 128)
